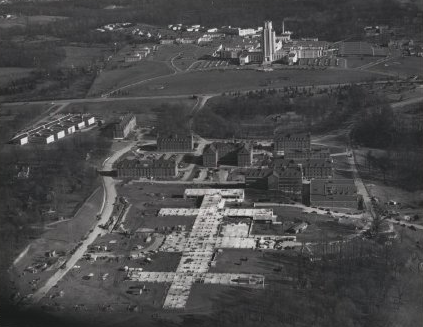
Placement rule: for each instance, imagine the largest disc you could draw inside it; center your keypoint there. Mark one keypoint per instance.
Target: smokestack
(283, 26)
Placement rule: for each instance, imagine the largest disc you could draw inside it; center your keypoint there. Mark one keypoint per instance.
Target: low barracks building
(125, 126)
(175, 143)
(160, 168)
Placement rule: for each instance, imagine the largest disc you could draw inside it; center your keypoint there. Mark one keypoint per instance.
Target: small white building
(22, 139)
(89, 120)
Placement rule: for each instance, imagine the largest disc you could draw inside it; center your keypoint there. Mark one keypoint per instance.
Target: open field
(356, 61)
(218, 81)
(8, 74)
(125, 75)
(83, 56)
(62, 236)
(15, 118)
(91, 294)
(143, 108)
(147, 199)
(403, 67)
(25, 20)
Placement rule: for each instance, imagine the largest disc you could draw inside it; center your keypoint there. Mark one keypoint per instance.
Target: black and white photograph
(211, 163)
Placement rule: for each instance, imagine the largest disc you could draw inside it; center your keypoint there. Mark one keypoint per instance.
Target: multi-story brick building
(175, 143)
(257, 177)
(210, 156)
(159, 168)
(301, 154)
(317, 168)
(287, 179)
(124, 126)
(245, 156)
(228, 153)
(287, 142)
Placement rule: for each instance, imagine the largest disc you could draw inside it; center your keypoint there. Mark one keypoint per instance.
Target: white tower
(268, 42)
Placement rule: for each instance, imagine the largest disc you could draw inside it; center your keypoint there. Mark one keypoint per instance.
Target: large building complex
(158, 168)
(124, 126)
(175, 143)
(275, 48)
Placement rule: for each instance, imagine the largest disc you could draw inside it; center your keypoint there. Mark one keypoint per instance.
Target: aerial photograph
(211, 163)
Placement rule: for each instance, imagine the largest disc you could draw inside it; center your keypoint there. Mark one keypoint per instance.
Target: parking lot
(328, 62)
(207, 64)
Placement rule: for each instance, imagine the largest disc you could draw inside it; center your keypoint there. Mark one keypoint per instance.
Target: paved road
(179, 96)
(406, 102)
(361, 189)
(404, 223)
(110, 196)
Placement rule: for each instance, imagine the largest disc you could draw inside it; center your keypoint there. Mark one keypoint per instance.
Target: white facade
(49, 139)
(23, 140)
(90, 121)
(60, 134)
(246, 31)
(268, 42)
(70, 129)
(81, 125)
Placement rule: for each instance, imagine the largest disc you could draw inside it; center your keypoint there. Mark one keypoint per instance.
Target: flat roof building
(333, 193)
(236, 195)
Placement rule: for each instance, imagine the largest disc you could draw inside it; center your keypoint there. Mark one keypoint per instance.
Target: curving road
(107, 209)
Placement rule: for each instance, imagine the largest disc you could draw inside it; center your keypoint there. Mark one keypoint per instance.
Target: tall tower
(268, 42)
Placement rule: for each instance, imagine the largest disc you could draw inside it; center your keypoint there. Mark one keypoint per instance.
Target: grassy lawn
(83, 56)
(8, 74)
(403, 67)
(112, 291)
(62, 236)
(141, 107)
(14, 118)
(25, 20)
(219, 81)
(354, 62)
(127, 74)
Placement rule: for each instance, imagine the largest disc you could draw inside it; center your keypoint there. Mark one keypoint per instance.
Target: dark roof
(293, 136)
(258, 172)
(316, 162)
(173, 137)
(136, 163)
(333, 189)
(289, 171)
(227, 147)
